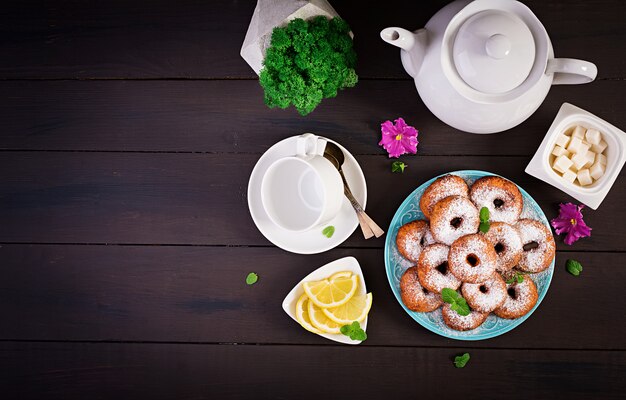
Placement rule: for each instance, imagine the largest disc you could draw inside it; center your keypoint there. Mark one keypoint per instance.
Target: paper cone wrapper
(269, 14)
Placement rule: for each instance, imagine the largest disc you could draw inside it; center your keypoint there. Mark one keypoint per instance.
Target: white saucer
(312, 241)
(343, 264)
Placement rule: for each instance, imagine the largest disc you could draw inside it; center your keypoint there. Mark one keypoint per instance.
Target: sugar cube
(578, 132)
(584, 177)
(601, 158)
(562, 140)
(559, 151)
(562, 164)
(575, 145)
(579, 160)
(569, 176)
(599, 148)
(593, 136)
(591, 158)
(597, 170)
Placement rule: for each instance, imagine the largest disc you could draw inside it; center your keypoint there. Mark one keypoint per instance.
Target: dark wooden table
(128, 132)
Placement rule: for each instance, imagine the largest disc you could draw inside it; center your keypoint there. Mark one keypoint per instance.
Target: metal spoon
(333, 153)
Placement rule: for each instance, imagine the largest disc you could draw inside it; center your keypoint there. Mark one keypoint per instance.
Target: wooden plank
(197, 294)
(229, 116)
(131, 371)
(75, 197)
(199, 39)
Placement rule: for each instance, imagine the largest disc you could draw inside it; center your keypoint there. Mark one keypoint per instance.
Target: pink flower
(398, 138)
(570, 221)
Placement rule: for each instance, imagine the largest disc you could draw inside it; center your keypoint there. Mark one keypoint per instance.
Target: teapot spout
(414, 44)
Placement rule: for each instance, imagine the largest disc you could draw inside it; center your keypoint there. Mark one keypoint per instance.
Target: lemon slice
(320, 321)
(342, 274)
(302, 314)
(355, 309)
(330, 294)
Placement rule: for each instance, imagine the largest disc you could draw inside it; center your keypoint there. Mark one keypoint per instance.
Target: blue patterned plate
(395, 266)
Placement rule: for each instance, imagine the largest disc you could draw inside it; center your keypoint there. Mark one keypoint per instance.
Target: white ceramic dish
(312, 241)
(342, 264)
(568, 116)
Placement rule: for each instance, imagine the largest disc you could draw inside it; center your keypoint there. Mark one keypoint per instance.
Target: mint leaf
(484, 220)
(398, 166)
(353, 331)
(519, 278)
(573, 267)
(484, 216)
(448, 295)
(461, 307)
(328, 231)
(460, 361)
(252, 278)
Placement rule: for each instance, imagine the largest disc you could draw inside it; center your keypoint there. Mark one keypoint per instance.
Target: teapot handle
(570, 71)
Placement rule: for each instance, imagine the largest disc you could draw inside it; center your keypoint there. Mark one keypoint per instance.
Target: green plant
(308, 61)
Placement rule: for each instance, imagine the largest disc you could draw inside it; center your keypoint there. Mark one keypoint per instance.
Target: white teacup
(304, 191)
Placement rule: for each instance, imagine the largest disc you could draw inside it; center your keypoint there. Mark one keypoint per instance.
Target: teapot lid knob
(493, 51)
(498, 46)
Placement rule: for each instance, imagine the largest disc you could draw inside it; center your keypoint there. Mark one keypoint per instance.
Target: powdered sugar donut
(453, 217)
(520, 299)
(412, 237)
(507, 243)
(416, 297)
(432, 269)
(442, 187)
(459, 322)
(538, 245)
(472, 259)
(500, 196)
(486, 296)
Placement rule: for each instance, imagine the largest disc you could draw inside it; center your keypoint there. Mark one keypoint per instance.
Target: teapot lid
(494, 51)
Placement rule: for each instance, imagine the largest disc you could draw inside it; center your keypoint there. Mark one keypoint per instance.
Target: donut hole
(483, 289)
(425, 290)
(497, 203)
(456, 222)
(442, 268)
(422, 241)
(512, 293)
(499, 248)
(530, 246)
(472, 259)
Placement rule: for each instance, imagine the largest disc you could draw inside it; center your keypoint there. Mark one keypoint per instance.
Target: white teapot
(484, 66)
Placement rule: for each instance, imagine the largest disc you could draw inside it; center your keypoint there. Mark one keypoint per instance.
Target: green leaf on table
(484, 220)
(252, 278)
(573, 267)
(353, 331)
(329, 231)
(456, 301)
(460, 361)
(398, 166)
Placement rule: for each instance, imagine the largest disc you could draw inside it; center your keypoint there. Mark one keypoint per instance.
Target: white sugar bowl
(557, 158)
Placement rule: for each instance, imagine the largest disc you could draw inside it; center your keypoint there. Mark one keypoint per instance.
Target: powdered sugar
(462, 253)
(448, 185)
(460, 322)
(412, 237)
(525, 297)
(446, 214)
(432, 259)
(488, 191)
(507, 243)
(487, 296)
(539, 258)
